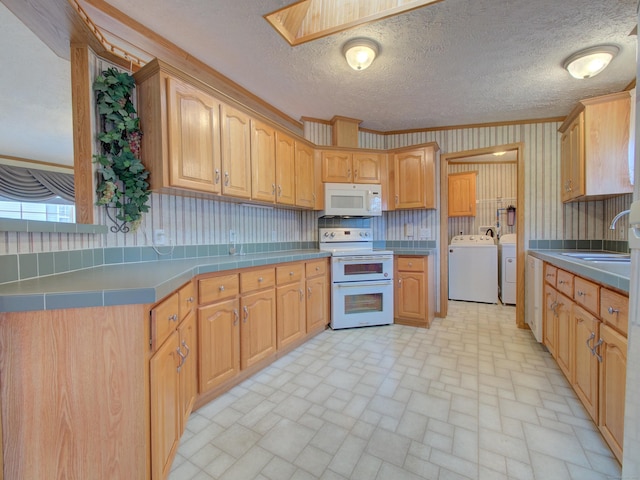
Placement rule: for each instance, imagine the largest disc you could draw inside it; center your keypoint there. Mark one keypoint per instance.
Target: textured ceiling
(455, 62)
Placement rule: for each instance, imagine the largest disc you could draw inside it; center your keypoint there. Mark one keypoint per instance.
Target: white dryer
(473, 269)
(507, 274)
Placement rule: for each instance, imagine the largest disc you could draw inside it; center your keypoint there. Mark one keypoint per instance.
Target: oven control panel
(328, 235)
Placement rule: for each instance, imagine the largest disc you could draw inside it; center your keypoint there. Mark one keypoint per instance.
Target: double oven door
(362, 291)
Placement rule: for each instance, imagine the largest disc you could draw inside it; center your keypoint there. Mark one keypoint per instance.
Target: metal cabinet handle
(581, 293)
(273, 189)
(549, 274)
(226, 179)
(348, 172)
(190, 300)
(217, 181)
(182, 359)
(355, 173)
(279, 190)
(184, 344)
(399, 283)
(301, 295)
(260, 279)
(236, 317)
(595, 347)
(411, 264)
(317, 269)
(174, 317)
(309, 292)
(397, 199)
(290, 274)
(561, 282)
(612, 310)
(221, 288)
(591, 337)
(246, 314)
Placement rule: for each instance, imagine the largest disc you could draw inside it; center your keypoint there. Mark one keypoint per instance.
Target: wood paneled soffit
(308, 20)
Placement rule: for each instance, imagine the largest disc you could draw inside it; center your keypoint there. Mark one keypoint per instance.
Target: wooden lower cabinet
(219, 343)
(550, 320)
(257, 327)
(318, 295)
(613, 373)
(414, 296)
(564, 335)
(290, 317)
(587, 330)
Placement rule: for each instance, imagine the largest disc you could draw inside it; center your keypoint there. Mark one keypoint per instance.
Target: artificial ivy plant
(122, 182)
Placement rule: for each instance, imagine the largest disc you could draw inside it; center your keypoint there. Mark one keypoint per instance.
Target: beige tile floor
(471, 398)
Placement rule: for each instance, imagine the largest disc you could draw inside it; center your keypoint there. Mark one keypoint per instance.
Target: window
(54, 210)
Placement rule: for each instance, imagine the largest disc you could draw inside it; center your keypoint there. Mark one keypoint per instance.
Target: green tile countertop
(128, 283)
(597, 272)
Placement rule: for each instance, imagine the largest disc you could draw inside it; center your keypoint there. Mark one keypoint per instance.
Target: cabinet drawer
(564, 283)
(217, 288)
(316, 267)
(257, 279)
(586, 294)
(412, 264)
(550, 274)
(614, 309)
(290, 273)
(187, 299)
(164, 319)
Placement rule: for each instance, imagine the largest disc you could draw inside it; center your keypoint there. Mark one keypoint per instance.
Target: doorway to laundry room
(481, 203)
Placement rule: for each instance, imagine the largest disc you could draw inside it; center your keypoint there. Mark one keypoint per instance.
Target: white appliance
(533, 289)
(507, 268)
(361, 278)
(352, 200)
(473, 269)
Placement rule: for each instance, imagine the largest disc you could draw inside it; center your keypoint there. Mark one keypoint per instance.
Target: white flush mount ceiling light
(589, 62)
(360, 52)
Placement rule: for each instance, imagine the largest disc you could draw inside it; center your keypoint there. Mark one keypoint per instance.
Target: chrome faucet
(616, 218)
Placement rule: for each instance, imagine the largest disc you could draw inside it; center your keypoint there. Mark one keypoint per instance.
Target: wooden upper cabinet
(594, 148)
(462, 194)
(304, 176)
(263, 162)
(367, 167)
(236, 152)
(414, 178)
(285, 169)
(351, 167)
(337, 167)
(181, 142)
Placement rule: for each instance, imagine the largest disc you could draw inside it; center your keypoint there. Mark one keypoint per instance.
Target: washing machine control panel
(472, 240)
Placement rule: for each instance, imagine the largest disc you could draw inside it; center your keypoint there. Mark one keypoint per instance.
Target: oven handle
(359, 258)
(385, 283)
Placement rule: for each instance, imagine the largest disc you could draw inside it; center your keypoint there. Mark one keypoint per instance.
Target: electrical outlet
(425, 233)
(408, 229)
(232, 236)
(159, 237)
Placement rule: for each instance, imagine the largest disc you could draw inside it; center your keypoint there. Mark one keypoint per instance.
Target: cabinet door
(188, 375)
(613, 376)
(317, 303)
(218, 343)
(367, 168)
(414, 179)
(550, 320)
(586, 363)
(258, 327)
(572, 167)
(564, 330)
(263, 162)
(336, 167)
(410, 294)
(305, 178)
(285, 169)
(236, 152)
(194, 138)
(290, 311)
(164, 405)
(462, 194)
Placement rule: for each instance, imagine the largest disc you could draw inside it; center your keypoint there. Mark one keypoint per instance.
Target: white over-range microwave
(352, 200)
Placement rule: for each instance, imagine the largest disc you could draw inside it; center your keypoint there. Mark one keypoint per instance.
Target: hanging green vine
(122, 184)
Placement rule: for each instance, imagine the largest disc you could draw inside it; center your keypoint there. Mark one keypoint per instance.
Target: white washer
(507, 273)
(473, 269)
